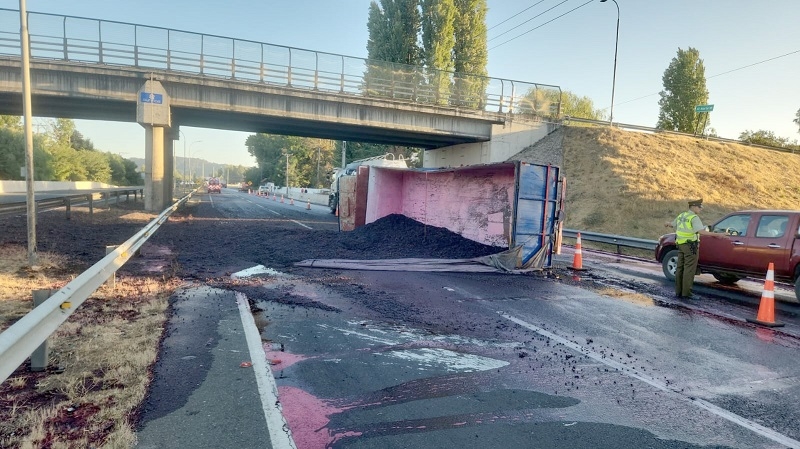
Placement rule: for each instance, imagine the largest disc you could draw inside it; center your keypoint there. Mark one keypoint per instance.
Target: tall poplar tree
(470, 53)
(684, 88)
(393, 29)
(438, 41)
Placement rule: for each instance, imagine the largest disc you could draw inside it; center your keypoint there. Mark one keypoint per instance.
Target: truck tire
(669, 263)
(726, 279)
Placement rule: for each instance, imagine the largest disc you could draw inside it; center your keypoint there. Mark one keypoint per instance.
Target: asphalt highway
(599, 359)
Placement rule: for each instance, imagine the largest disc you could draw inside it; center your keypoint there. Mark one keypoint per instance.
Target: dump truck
(386, 160)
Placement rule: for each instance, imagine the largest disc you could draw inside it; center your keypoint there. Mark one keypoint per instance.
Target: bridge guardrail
(94, 41)
(19, 341)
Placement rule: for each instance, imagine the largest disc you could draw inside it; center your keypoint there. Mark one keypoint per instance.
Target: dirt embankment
(630, 183)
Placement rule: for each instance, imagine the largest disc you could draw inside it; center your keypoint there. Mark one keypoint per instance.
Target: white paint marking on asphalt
(263, 207)
(258, 269)
(279, 433)
(730, 416)
(301, 224)
(451, 360)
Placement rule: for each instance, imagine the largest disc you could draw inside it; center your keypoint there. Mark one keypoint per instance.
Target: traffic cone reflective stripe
(766, 309)
(577, 260)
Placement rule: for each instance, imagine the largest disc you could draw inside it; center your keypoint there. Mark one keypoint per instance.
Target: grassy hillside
(630, 183)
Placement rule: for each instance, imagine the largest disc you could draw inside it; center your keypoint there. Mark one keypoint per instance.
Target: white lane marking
(301, 224)
(263, 207)
(730, 416)
(279, 433)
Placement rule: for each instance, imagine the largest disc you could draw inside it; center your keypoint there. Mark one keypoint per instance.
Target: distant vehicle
(387, 160)
(214, 185)
(742, 244)
(263, 190)
(245, 186)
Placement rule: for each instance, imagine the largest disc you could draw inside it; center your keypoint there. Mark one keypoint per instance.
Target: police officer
(687, 226)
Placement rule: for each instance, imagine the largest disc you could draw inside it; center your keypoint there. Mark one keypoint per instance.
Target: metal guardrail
(568, 119)
(67, 200)
(618, 240)
(19, 341)
(104, 42)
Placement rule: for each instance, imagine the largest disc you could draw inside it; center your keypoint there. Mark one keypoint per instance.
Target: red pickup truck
(742, 244)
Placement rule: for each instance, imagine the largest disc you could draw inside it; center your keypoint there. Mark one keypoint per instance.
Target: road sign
(149, 97)
(704, 108)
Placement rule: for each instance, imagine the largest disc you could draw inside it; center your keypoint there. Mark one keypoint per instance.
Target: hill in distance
(630, 183)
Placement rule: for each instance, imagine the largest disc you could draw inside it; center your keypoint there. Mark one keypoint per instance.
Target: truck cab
(743, 244)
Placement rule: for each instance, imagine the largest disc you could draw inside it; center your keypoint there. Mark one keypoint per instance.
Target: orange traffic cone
(291, 201)
(577, 260)
(766, 310)
(308, 205)
(337, 211)
(281, 198)
(274, 197)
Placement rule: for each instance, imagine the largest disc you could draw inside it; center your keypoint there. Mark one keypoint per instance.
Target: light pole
(190, 153)
(614, 79)
(287, 173)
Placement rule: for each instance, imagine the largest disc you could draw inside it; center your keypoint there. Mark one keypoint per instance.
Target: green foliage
(684, 88)
(12, 155)
(470, 53)
(797, 119)
(438, 40)
(393, 28)
(309, 160)
(545, 102)
(11, 122)
(767, 138)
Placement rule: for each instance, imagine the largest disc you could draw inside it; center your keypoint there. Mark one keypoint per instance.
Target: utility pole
(33, 258)
(287, 173)
(344, 153)
(317, 167)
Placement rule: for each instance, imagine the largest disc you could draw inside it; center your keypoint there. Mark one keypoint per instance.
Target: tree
(543, 102)
(767, 138)
(797, 119)
(470, 53)
(438, 41)
(393, 28)
(11, 122)
(684, 88)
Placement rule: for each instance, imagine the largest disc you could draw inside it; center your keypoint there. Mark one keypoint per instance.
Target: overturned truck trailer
(510, 204)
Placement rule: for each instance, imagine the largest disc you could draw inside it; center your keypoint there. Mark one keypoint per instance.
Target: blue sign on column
(149, 97)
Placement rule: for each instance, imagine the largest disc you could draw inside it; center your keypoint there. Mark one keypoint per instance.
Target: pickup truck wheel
(797, 283)
(726, 279)
(669, 264)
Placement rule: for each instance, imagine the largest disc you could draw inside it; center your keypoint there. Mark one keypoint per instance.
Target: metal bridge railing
(103, 42)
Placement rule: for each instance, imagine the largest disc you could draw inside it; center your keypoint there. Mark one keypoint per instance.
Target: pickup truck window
(772, 226)
(733, 225)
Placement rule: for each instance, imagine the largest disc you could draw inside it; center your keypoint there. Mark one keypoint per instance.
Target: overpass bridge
(162, 78)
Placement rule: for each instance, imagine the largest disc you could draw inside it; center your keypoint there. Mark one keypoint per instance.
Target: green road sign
(704, 108)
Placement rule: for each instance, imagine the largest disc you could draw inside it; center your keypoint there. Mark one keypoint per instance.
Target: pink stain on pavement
(286, 359)
(307, 417)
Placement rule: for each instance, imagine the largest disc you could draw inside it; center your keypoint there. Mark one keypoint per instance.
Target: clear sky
(575, 51)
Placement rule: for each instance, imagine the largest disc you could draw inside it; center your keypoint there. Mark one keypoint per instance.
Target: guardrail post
(90, 197)
(105, 198)
(41, 356)
(112, 281)
(68, 205)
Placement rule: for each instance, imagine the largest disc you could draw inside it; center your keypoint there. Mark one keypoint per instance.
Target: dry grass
(105, 349)
(630, 183)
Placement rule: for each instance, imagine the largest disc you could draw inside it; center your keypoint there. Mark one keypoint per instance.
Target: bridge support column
(154, 169)
(169, 168)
